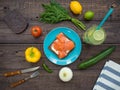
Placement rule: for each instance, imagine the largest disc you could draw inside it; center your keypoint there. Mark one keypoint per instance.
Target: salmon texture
(62, 45)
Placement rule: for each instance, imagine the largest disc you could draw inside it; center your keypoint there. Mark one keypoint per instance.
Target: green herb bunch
(55, 13)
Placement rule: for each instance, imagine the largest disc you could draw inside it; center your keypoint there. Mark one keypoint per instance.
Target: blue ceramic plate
(72, 56)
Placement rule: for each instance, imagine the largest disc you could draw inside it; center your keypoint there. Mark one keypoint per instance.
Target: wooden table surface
(12, 46)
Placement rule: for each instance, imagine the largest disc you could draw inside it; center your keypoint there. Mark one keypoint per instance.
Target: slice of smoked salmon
(62, 45)
(62, 54)
(61, 37)
(58, 45)
(69, 45)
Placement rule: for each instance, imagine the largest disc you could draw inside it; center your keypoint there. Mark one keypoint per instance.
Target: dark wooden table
(12, 46)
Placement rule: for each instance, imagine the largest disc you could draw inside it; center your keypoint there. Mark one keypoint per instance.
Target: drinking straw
(105, 18)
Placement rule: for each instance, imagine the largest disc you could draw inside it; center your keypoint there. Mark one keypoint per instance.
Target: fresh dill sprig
(55, 13)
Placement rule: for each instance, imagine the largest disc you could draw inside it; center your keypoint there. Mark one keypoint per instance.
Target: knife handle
(17, 83)
(7, 74)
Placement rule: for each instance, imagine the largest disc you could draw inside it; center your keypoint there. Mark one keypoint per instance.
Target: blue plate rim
(60, 61)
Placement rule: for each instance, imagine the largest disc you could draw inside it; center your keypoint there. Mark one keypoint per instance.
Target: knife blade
(33, 75)
(7, 74)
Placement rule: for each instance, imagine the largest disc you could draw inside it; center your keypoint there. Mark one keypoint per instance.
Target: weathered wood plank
(52, 82)
(12, 56)
(12, 46)
(112, 30)
(32, 8)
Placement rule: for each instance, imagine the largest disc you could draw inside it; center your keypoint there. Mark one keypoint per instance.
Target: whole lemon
(76, 7)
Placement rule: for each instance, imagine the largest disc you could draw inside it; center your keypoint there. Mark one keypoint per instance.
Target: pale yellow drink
(93, 36)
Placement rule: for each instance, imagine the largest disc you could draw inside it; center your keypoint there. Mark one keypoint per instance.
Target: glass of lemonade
(93, 36)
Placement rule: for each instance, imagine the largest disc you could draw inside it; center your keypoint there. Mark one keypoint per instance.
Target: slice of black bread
(15, 21)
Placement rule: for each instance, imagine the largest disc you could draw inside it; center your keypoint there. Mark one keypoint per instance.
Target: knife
(7, 74)
(35, 74)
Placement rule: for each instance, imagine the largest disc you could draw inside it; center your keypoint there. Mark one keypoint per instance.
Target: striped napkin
(109, 78)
